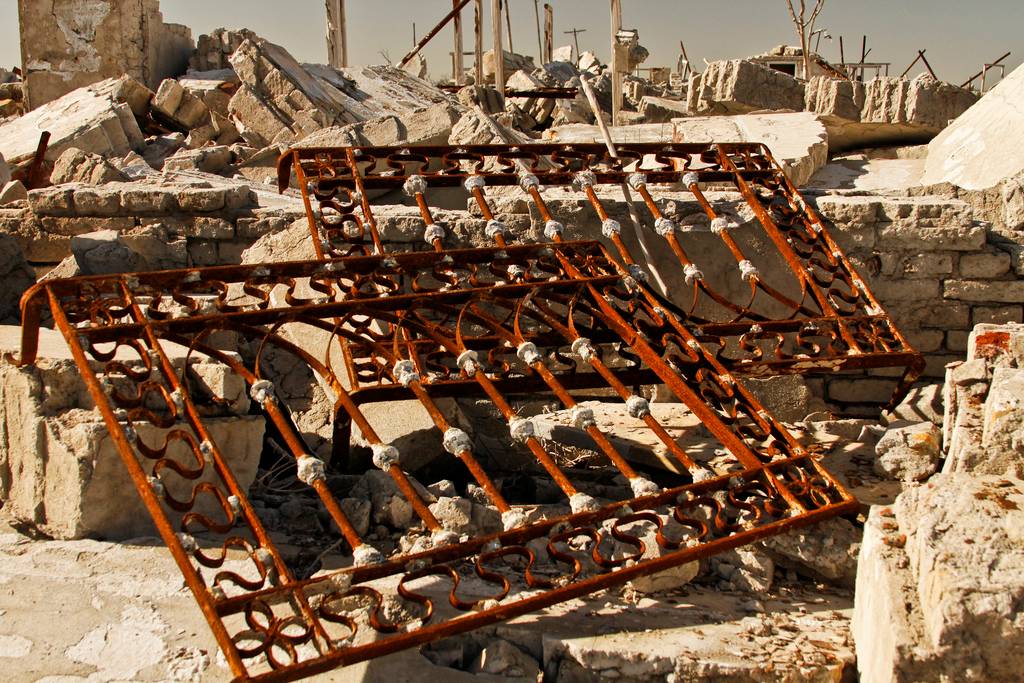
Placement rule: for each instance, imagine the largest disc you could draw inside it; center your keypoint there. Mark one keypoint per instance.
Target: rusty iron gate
(550, 317)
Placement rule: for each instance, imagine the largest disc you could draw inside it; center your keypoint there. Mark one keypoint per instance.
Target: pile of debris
(165, 155)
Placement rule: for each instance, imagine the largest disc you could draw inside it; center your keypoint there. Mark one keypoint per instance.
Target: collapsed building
(429, 383)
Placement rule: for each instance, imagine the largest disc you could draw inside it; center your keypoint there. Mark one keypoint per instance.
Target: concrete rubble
(163, 154)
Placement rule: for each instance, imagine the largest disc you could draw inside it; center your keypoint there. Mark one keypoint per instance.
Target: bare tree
(805, 27)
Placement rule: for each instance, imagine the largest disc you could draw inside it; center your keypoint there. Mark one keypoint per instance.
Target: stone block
(77, 166)
(201, 199)
(983, 266)
(826, 551)
(965, 548)
(863, 390)
(53, 201)
(887, 289)
(59, 469)
(97, 201)
(69, 45)
(15, 277)
(985, 291)
(104, 252)
(924, 265)
(997, 315)
(145, 200)
(905, 237)
(741, 86)
(1003, 424)
(13, 191)
(908, 451)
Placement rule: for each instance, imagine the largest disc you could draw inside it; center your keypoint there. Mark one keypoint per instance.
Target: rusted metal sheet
(492, 322)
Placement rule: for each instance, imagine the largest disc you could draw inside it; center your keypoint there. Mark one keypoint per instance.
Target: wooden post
(457, 68)
(499, 48)
(549, 33)
(337, 42)
(478, 47)
(616, 10)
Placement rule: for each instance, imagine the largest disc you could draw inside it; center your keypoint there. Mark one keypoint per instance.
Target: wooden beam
(457, 68)
(549, 33)
(478, 46)
(617, 68)
(498, 46)
(337, 38)
(433, 32)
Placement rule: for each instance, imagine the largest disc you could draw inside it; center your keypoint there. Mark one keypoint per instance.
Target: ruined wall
(68, 44)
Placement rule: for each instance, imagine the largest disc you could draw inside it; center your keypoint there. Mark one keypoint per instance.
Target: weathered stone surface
(826, 551)
(798, 141)
(59, 469)
(885, 110)
(973, 152)
(15, 278)
(985, 291)
(661, 109)
(74, 610)
(14, 191)
(77, 166)
(429, 126)
(104, 252)
(279, 101)
(87, 118)
(213, 50)
(1003, 422)
(909, 452)
(74, 43)
(739, 86)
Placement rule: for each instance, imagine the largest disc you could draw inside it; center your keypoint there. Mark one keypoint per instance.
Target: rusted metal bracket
(493, 322)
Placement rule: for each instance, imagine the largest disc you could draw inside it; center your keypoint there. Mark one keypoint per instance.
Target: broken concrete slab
(798, 141)
(661, 109)
(885, 110)
(86, 118)
(78, 166)
(68, 45)
(59, 469)
(739, 86)
(973, 152)
(429, 126)
(278, 100)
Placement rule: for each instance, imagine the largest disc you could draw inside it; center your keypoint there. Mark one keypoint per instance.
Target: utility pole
(478, 47)
(337, 43)
(616, 11)
(457, 68)
(576, 38)
(549, 33)
(499, 49)
(508, 22)
(540, 40)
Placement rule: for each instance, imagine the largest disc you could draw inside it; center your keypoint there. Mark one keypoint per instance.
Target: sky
(957, 36)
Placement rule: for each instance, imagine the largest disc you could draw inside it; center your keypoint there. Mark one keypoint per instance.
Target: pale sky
(958, 36)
